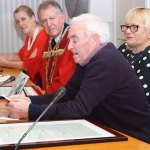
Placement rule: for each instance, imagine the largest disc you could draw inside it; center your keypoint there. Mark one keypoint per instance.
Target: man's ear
(63, 16)
(96, 38)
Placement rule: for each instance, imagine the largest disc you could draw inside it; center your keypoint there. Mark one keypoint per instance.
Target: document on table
(27, 91)
(18, 87)
(5, 90)
(54, 132)
(7, 118)
(19, 84)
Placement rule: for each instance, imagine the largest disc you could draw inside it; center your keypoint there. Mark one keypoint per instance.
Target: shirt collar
(58, 37)
(91, 55)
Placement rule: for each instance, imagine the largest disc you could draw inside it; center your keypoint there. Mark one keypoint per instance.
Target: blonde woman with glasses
(136, 49)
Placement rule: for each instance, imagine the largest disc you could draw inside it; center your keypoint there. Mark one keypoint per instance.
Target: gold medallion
(46, 54)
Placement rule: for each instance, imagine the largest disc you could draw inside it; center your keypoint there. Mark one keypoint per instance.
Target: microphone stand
(60, 94)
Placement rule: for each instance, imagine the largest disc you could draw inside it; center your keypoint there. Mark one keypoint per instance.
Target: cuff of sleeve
(34, 111)
(35, 99)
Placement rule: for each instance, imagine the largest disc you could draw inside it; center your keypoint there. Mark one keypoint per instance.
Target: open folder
(17, 88)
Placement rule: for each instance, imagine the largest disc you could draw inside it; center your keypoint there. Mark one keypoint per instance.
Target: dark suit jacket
(106, 90)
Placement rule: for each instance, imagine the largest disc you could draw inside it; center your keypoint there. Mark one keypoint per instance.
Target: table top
(14, 72)
(131, 144)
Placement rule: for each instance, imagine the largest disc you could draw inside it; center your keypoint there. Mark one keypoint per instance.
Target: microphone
(10, 79)
(61, 92)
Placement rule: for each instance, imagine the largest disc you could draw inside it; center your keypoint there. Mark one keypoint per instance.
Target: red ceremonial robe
(59, 67)
(32, 63)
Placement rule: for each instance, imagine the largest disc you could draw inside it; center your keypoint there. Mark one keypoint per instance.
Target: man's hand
(18, 107)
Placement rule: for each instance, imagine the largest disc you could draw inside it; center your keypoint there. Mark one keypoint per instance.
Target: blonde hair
(140, 13)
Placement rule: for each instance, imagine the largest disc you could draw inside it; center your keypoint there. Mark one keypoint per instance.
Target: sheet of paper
(30, 91)
(19, 84)
(6, 118)
(6, 90)
(7, 98)
(51, 131)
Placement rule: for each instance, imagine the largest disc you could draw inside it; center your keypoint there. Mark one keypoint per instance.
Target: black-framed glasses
(133, 28)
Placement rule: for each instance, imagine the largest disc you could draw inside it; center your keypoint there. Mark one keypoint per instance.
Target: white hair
(93, 25)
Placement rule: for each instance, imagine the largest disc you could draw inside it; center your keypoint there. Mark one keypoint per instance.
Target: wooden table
(15, 72)
(131, 144)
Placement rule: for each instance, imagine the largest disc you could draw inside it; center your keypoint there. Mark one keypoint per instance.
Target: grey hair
(93, 25)
(45, 4)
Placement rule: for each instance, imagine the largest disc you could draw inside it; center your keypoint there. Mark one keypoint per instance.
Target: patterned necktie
(53, 43)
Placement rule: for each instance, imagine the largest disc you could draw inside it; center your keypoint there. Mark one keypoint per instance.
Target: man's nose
(49, 22)
(69, 45)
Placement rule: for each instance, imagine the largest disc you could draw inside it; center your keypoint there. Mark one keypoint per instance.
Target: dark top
(106, 90)
(140, 62)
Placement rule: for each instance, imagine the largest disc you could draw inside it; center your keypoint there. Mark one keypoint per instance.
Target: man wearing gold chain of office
(57, 65)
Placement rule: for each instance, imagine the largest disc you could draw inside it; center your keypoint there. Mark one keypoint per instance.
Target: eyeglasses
(133, 28)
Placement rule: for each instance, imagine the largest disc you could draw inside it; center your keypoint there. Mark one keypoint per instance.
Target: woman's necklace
(34, 37)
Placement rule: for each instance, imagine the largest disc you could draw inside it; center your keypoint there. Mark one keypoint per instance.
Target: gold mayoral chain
(52, 54)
